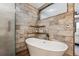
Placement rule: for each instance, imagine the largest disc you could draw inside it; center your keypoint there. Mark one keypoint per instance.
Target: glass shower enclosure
(7, 29)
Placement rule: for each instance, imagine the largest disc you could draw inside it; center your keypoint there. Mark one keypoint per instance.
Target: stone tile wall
(26, 15)
(58, 27)
(61, 28)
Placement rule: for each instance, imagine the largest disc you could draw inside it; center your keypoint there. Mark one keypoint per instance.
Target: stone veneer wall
(26, 15)
(61, 28)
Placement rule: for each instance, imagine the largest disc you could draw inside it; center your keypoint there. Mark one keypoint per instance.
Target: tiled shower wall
(60, 28)
(26, 15)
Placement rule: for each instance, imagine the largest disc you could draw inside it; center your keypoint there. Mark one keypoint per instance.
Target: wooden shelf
(36, 26)
(36, 33)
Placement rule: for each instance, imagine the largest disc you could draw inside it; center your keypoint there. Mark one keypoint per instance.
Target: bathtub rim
(47, 49)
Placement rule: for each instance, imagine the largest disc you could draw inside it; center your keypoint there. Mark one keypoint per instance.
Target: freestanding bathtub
(41, 47)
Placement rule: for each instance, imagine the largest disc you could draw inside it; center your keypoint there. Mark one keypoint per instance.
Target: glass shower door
(7, 29)
(77, 29)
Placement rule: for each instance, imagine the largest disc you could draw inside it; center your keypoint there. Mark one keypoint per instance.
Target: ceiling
(37, 5)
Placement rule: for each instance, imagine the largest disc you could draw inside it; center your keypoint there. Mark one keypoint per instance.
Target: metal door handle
(9, 26)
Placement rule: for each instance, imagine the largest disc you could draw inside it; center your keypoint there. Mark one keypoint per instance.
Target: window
(53, 10)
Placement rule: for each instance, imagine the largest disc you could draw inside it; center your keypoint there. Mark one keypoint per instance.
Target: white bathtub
(41, 47)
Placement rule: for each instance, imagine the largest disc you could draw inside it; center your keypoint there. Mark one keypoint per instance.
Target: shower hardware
(39, 27)
(9, 26)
